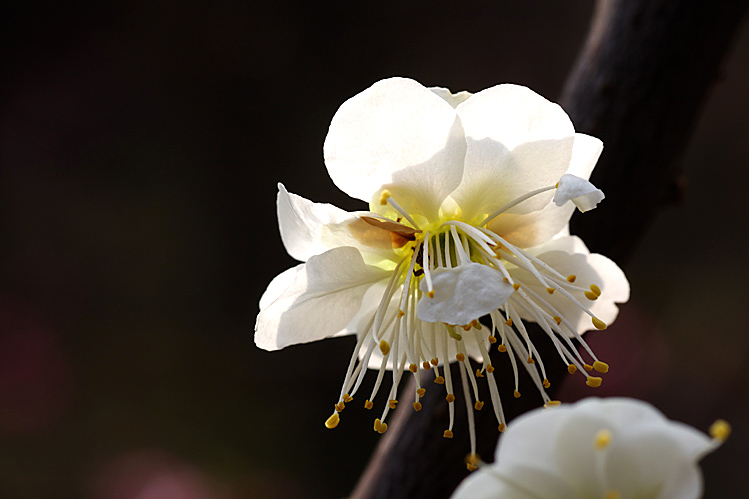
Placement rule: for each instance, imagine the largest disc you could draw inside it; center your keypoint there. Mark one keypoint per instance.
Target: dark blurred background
(140, 146)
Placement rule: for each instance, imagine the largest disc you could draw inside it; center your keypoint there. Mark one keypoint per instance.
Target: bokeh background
(140, 146)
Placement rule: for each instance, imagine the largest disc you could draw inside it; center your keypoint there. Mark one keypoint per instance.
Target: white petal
(309, 229)
(532, 229)
(449, 97)
(483, 484)
(585, 153)
(322, 300)
(278, 285)
(517, 142)
(589, 269)
(529, 438)
(396, 135)
(499, 481)
(582, 193)
(463, 294)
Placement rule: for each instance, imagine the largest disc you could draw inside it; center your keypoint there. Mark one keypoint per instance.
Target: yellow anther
(572, 369)
(590, 295)
(417, 406)
(384, 195)
(332, 421)
(516, 286)
(599, 324)
(475, 324)
(588, 367)
(552, 403)
(347, 398)
(421, 391)
(492, 339)
(392, 403)
(435, 361)
(340, 406)
(426, 365)
(452, 333)
(401, 313)
(508, 322)
(413, 368)
(516, 394)
(720, 430)
(466, 327)
(450, 398)
(490, 368)
(380, 427)
(530, 360)
(550, 290)
(506, 280)
(502, 348)
(557, 319)
(601, 367)
(478, 405)
(430, 294)
(595, 289)
(439, 380)
(571, 278)
(546, 383)
(501, 427)
(479, 374)
(368, 404)
(602, 439)
(612, 494)
(460, 357)
(447, 434)
(593, 381)
(472, 462)
(384, 347)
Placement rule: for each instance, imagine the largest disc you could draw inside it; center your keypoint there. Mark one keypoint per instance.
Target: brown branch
(639, 84)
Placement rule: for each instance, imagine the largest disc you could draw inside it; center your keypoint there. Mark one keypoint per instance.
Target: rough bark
(639, 84)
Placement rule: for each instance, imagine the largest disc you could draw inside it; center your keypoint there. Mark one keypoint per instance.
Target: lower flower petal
(322, 300)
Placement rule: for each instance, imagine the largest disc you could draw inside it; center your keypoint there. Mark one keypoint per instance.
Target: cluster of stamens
(405, 344)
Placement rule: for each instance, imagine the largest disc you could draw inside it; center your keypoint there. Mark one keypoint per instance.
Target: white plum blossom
(461, 225)
(613, 448)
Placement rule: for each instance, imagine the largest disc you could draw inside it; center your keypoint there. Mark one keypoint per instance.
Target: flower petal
(584, 195)
(462, 294)
(278, 285)
(585, 153)
(517, 142)
(309, 229)
(514, 482)
(322, 300)
(589, 269)
(400, 136)
(449, 97)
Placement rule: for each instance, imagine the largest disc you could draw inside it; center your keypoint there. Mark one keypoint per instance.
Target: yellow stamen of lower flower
(347, 398)
(571, 278)
(439, 380)
(516, 394)
(720, 430)
(413, 368)
(546, 383)
(601, 367)
(557, 319)
(479, 374)
(460, 357)
(501, 427)
(392, 403)
(447, 434)
(550, 290)
(435, 361)
(450, 398)
(478, 405)
(426, 365)
(417, 406)
(384, 347)
(530, 360)
(421, 391)
(588, 367)
(593, 381)
(340, 406)
(492, 340)
(552, 403)
(602, 439)
(599, 324)
(368, 404)
(572, 369)
(502, 348)
(332, 421)
(430, 294)
(516, 286)
(473, 461)
(490, 368)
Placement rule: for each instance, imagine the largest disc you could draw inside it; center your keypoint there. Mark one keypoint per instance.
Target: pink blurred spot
(35, 380)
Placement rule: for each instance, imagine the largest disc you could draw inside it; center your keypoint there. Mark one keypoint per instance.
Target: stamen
(514, 203)
(332, 421)
(602, 439)
(593, 381)
(397, 207)
(720, 430)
